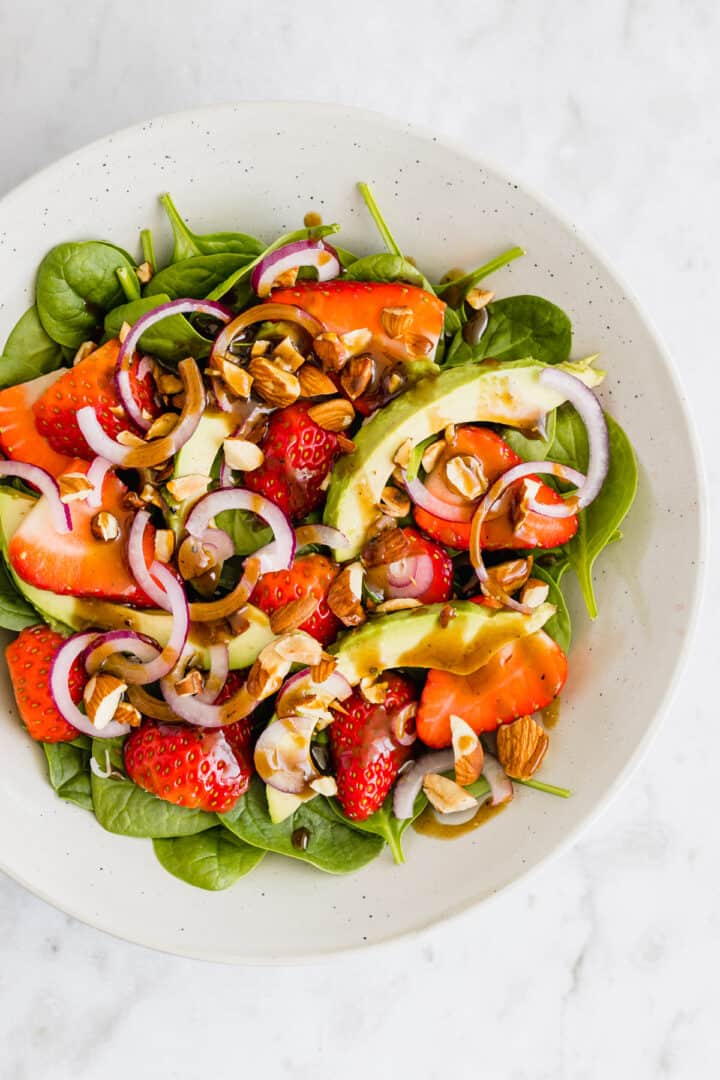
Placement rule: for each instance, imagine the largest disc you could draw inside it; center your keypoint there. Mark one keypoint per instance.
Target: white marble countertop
(603, 964)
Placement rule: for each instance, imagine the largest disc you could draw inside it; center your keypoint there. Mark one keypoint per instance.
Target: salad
(285, 538)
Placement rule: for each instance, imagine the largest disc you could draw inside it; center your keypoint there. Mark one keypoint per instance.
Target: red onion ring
(501, 788)
(194, 710)
(297, 687)
(114, 641)
(589, 409)
(268, 311)
(138, 566)
(313, 253)
(62, 664)
(427, 501)
(320, 534)
(46, 485)
(218, 673)
(221, 541)
(126, 355)
(409, 577)
(517, 472)
(279, 554)
(410, 783)
(96, 476)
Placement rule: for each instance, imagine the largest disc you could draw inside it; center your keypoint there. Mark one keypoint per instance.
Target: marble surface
(602, 964)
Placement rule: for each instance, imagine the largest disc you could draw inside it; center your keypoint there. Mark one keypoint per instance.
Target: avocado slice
(417, 638)
(197, 456)
(74, 613)
(282, 804)
(508, 394)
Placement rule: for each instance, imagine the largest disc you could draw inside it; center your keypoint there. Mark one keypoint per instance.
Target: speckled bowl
(260, 168)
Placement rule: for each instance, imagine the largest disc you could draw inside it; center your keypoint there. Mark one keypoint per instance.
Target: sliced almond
(467, 751)
(242, 454)
(450, 433)
(161, 427)
(357, 375)
(523, 496)
(74, 486)
(324, 669)
(124, 331)
(325, 785)
(356, 341)
(479, 298)
(507, 577)
(151, 496)
(129, 438)
(314, 382)
(445, 795)
(164, 545)
(396, 321)
(373, 690)
(417, 344)
(297, 647)
(292, 615)
(127, 714)
(336, 414)
(331, 351)
(192, 683)
(345, 594)
(287, 355)
(534, 593)
(191, 486)
(260, 347)
(389, 546)
(237, 379)
(393, 502)
(104, 526)
(102, 696)
(466, 476)
(168, 384)
(399, 603)
(432, 454)
(402, 454)
(521, 747)
(274, 385)
(144, 273)
(85, 350)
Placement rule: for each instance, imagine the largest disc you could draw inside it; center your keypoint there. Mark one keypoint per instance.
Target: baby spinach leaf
(383, 823)
(212, 860)
(196, 276)
(247, 531)
(189, 244)
(518, 327)
(230, 283)
(29, 351)
(559, 627)
(76, 285)
(346, 257)
(532, 449)
(599, 522)
(171, 340)
(333, 846)
(129, 283)
(15, 612)
(69, 770)
(382, 227)
(148, 249)
(122, 807)
(461, 286)
(386, 267)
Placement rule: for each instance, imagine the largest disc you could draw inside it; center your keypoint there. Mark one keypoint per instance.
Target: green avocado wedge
(509, 394)
(416, 638)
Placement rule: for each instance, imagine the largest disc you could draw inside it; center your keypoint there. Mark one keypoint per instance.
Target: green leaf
(15, 611)
(333, 846)
(383, 823)
(461, 286)
(529, 448)
(559, 627)
(382, 227)
(69, 770)
(29, 351)
(385, 267)
(171, 340)
(195, 277)
(416, 455)
(212, 860)
(189, 244)
(599, 522)
(122, 807)
(518, 327)
(148, 248)
(129, 283)
(76, 285)
(248, 532)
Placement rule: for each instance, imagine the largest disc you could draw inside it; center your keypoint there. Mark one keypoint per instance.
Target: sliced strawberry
(185, 765)
(365, 754)
(76, 563)
(309, 576)
(19, 436)
(386, 576)
(91, 382)
(298, 456)
(499, 531)
(29, 659)
(519, 679)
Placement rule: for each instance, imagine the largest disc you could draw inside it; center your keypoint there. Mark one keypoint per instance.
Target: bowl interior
(260, 168)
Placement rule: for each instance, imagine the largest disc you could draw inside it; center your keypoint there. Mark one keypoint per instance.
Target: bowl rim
(575, 832)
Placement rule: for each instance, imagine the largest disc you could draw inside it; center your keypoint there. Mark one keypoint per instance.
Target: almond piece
(445, 795)
(322, 670)
(260, 347)
(151, 495)
(275, 386)
(391, 545)
(297, 647)
(356, 341)
(466, 476)
(191, 486)
(291, 616)
(507, 577)
(396, 321)
(535, 592)
(162, 426)
(325, 785)
(399, 603)
(314, 382)
(521, 747)
(467, 750)
(129, 438)
(373, 690)
(164, 545)
(192, 683)
(447, 614)
(417, 344)
(330, 350)
(144, 273)
(237, 379)
(85, 350)
(345, 594)
(394, 382)
(287, 356)
(432, 454)
(104, 526)
(124, 331)
(102, 696)
(168, 384)
(402, 454)
(393, 502)
(522, 498)
(74, 486)
(127, 714)
(242, 454)
(345, 445)
(357, 375)
(479, 298)
(336, 414)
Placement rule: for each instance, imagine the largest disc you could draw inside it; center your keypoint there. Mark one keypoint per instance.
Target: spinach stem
(129, 283)
(395, 846)
(467, 281)
(550, 789)
(387, 236)
(148, 248)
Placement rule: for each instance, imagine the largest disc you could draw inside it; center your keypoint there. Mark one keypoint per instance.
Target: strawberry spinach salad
(285, 538)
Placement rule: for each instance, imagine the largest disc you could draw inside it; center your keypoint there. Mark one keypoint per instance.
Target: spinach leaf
(123, 807)
(29, 351)
(317, 232)
(559, 626)
(212, 860)
(188, 244)
(148, 249)
(69, 770)
(518, 327)
(171, 340)
(346, 257)
(599, 522)
(129, 283)
(461, 286)
(386, 267)
(383, 823)
(333, 846)
(194, 277)
(382, 227)
(15, 611)
(528, 448)
(248, 532)
(76, 285)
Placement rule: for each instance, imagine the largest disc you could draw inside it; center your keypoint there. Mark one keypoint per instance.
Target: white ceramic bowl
(259, 168)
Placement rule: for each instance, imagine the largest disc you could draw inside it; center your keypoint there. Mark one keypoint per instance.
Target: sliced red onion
(267, 312)
(46, 485)
(501, 788)
(218, 673)
(60, 670)
(220, 541)
(410, 782)
(313, 253)
(518, 472)
(402, 725)
(282, 754)
(589, 409)
(226, 475)
(301, 686)
(113, 642)
(427, 501)
(138, 566)
(279, 554)
(96, 476)
(144, 368)
(126, 355)
(320, 534)
(411, 576)
(192, 708)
